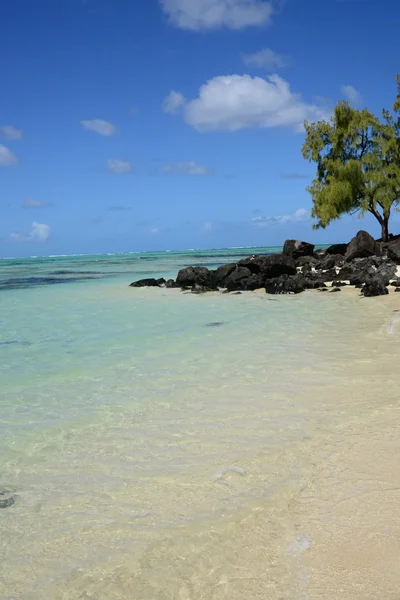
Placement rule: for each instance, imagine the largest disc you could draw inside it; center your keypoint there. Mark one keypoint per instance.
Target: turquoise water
(155, 439)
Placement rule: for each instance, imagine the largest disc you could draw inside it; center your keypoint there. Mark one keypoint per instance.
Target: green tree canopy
(358, 164)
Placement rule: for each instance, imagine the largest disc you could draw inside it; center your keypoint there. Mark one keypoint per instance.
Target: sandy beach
(348, 516)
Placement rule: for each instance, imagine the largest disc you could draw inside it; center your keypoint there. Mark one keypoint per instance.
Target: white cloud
(351, 94)
(155, 230)
(233, 102)
(39, 233)
(265, 59)
(173, 102)
(7, 157)
(11, 133)
(34, 204)
(259, 220)
(185, 168)
(118, 166)
(213, 14)
(208, 227)
(99, 126)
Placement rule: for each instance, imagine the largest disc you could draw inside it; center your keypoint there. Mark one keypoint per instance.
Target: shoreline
(347, 520)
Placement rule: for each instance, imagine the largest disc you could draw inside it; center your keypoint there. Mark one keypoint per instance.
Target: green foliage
(358, 163)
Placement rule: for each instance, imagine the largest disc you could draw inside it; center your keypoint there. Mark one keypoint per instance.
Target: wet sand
(348, 517)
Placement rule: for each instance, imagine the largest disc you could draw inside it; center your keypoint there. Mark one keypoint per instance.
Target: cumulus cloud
(11, 133)
(173, 102)
(214, 14)
(38, 233)
(99, 126)
(34, 204)
(118, 166)
(265, 59)
(233, 102)
(185, 168)
(259, 220)
(351, 94)
(7, 157)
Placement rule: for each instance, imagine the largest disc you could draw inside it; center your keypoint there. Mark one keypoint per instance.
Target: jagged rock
(393, 250)
(313, 282)
(149, 282)
(396, 283)
(397, 289)
(337, 249)
(233, 280)
(362, 246)
(285, 284)
(189, 276)
(338, 284)
(170, 283)
(364, 270)
(254, 282)
(306, 261)
(374, 287)
(307, 270)
(256, 263)
(296, 248)
(335, 289)
(270, 266)
(328, 275)
(330, 261)
(217, 277)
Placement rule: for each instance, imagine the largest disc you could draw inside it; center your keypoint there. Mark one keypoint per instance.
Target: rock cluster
(364, 263)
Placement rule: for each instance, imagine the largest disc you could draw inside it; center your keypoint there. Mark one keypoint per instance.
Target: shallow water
(158, 441)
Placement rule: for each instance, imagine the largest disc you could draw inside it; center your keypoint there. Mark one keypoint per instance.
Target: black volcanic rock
(170, 283)
(374, 287)
(150, 282)
(270, 266)
(285, 284)
(362, 245)
(306, 261)
(254, 282)
(297, 248)
(189, 276)
(233, 281)
(393, 250)
(328, 275)
(337, 249)
(330, 261)
(217, 277)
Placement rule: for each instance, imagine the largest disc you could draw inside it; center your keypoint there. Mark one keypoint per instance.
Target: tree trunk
(385, 229)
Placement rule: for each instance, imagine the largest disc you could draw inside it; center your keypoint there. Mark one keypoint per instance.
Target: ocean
(158, 443)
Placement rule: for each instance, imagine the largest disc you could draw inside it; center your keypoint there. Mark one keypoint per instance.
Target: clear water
(156, 440)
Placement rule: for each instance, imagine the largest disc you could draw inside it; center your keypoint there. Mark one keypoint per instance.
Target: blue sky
(136, 125)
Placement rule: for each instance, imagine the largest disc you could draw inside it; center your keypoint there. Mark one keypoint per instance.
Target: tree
(358, 164)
